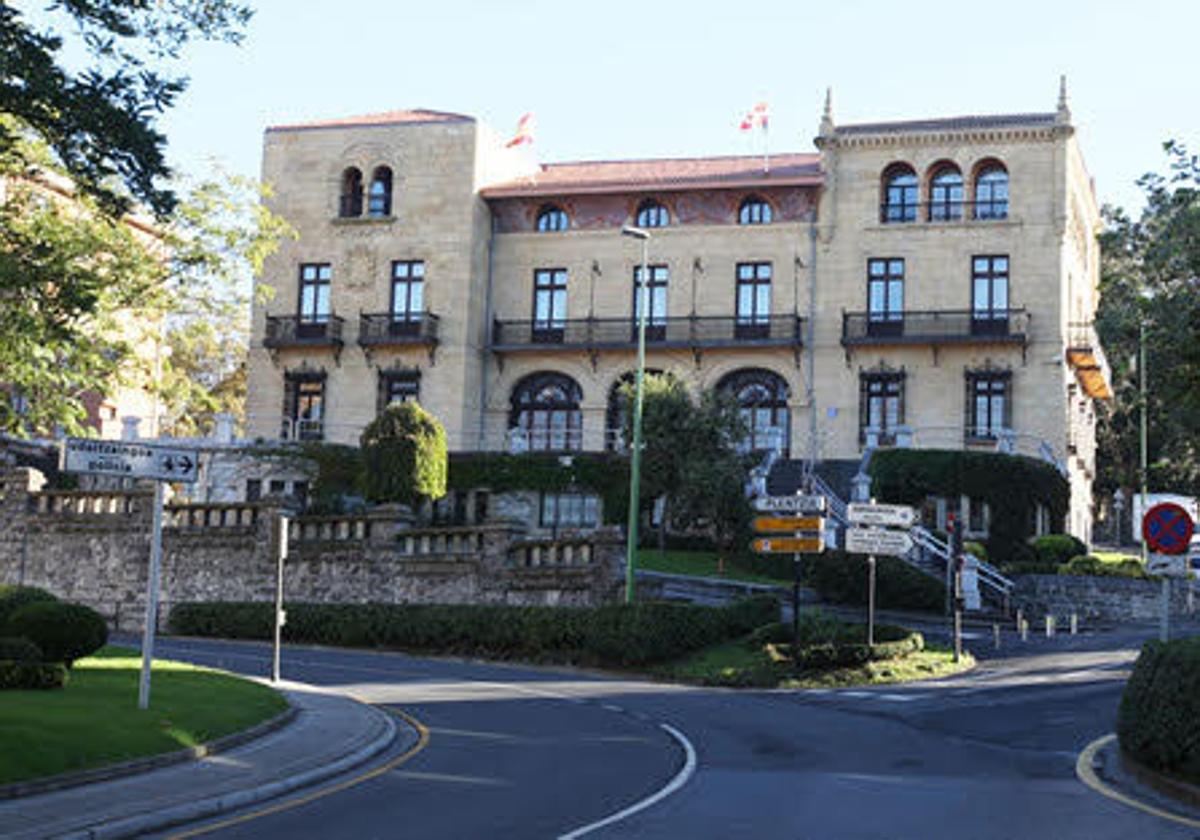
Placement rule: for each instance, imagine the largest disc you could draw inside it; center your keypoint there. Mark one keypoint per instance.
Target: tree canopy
(404, 455)
(1150, 278)
(99, 120)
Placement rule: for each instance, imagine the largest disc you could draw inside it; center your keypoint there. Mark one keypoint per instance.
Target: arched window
(552, 219)
(899, 194)
(617, 413)
(762, 397)
(991, 191)
(379, 203)
(545, 412)
(754, 211)
(945, 194)
(652, 214)
(350, 204)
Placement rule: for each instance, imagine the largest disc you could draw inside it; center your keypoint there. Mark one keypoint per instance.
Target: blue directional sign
(1167, 528)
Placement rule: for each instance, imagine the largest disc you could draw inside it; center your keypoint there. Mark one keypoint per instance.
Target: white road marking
(681, 779)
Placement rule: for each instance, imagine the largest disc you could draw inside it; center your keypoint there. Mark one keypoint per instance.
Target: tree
(99, 121)
(404, 455)
(1150, 278)
(88, 297)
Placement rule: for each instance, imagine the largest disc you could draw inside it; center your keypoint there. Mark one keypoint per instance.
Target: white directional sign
(130, 459)
(1168, 565)
(861, 513)
(801, 504)
(878, 541)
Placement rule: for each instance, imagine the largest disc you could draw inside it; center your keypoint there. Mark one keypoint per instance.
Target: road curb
(1104, 768)
(17, 790)
(1177, 789)
(215, 805)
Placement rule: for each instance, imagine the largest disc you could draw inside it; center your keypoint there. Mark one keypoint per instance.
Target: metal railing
(294, 331)
(944, 211)
(382, 328)
(941, 326)
(684, 331)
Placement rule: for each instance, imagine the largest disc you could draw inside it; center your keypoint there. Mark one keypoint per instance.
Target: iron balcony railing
(294, 331)
(943, 326)
(383, 328)
(944, 211)
(693, 331)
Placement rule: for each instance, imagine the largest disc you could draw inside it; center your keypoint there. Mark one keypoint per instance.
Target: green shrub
(1030, 567)
(24, 676)
(827, 643)
(842, 579)
(12, 598)
(404, 455)
(1058, 548)
(64, 632)
(14, 649)
(1158, 722)
(1093, 566)
(616, 634)
(975, 549)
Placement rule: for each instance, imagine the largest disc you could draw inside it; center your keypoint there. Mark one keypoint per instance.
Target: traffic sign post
(875, 539)
(789, 545)
(135, 459)
(1167, 528)
(807, 535)
(862, 513)
(799, 503)
(783, 524)
(878, 541)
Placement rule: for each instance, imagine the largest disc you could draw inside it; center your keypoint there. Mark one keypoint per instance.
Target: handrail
(675, 331)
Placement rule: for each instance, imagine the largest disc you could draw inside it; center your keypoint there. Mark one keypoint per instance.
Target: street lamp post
(635, 457)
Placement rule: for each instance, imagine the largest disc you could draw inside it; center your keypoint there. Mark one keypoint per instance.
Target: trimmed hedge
(827, 643)
(842, 579)
(12, 598)
(14, 649)
(1158, 722)
(1058, 548)
(64, 632)
(610, 635)
(25, 676)
(1088, 566)
(1010, 484)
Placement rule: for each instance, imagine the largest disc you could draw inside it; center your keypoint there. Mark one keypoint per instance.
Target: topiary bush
(404, 455)
(1158, 722)
(64, 632)
(1088, 566)
(612, 635)
(842, 579)
(1057, 548)
(26, 676)
(12, 598)
(13, 649)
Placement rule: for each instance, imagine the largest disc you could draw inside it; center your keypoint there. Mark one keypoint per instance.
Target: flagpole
(766, 148)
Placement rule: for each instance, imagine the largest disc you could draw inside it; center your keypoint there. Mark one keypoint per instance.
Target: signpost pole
(956, 561)
(870, 599)
(281, 555)
(796, 600)
(1164, 611)
(152, 586)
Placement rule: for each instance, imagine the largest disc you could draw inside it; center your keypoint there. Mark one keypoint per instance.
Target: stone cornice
(1030, 134)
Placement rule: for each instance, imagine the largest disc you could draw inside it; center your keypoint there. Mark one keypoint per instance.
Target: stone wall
(1095, 600)
(94, 548)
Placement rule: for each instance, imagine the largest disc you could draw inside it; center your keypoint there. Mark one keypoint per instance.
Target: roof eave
(537, 190)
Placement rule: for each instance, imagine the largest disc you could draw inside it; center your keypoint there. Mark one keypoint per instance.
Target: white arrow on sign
(861, 513)
(803, 504)
(878, 541)
(130, 459)
(1168, 565)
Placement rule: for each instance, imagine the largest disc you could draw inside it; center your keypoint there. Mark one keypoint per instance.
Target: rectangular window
(398, 386)
(315, 281)
(753, 300)
(277, 487)
(304, 407)
(989, 295)
(549, 305)
(989, 404)
(569, 510)
(656, 315)
(253, 489)
(881, 406)
(408, 297)
(885, 297)
(300, 492)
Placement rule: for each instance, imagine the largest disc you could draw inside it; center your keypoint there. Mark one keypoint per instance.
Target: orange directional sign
(775, 524)
(789, 545)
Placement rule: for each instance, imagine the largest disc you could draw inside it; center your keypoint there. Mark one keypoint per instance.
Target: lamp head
(635, 232)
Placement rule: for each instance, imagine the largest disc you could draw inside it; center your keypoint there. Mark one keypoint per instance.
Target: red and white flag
(758, 116)
(524, 134)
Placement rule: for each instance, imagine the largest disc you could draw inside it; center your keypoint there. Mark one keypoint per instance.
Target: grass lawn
(1114, 556)
(701, 564)
(95, 720)
(736, 663)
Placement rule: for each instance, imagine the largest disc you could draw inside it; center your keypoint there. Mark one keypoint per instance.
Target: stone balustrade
(89, 502)
(330, 529)
(532, 553)
(223, 515)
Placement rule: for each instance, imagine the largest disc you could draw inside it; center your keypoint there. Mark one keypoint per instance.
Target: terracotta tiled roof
(663, 174)
(949, 124)
(418, 115)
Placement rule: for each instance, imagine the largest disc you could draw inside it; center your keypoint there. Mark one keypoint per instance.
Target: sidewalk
(330, 734)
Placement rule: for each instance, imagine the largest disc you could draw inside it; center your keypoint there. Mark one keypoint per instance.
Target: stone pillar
(223, 430)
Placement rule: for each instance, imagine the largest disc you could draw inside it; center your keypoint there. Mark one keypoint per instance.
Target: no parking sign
(1167, 528)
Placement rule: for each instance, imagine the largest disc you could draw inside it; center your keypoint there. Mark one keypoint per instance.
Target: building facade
(927, 283)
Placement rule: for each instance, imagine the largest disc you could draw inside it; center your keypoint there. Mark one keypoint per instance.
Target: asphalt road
(519, 752)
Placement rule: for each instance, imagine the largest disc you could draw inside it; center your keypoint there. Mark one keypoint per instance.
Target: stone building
(928, 283)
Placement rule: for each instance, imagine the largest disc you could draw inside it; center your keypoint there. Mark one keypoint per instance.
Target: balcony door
(313, 313)
(656, 313)
(989, 295)
(885, 297)
(753, 301)
(408, 297)
(549, 305)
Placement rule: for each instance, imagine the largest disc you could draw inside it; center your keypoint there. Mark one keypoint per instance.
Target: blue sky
(645, 79)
